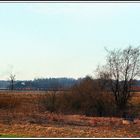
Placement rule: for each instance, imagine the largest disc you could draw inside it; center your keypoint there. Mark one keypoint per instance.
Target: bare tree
(122, 67)
(103, 77)
(12, 80)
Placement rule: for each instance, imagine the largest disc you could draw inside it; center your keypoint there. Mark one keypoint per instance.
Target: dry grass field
(20, 116)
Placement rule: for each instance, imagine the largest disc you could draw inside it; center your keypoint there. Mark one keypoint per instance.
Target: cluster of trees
(108, 93)
(120, 71)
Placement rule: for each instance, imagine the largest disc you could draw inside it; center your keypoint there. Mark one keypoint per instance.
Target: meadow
(22, 114)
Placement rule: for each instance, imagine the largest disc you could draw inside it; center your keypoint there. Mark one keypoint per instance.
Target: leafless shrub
(48, 101)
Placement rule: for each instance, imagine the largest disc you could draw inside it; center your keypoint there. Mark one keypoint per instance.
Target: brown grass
(20, 114)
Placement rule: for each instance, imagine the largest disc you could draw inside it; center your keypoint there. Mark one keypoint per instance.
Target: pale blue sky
(63, 39)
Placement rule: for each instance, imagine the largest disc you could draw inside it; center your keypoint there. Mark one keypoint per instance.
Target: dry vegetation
(22, 114)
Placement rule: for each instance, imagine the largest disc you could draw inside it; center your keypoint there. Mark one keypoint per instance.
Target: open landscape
(21, 116)
(69, 69)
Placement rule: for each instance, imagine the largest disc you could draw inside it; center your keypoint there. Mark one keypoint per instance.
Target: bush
(86, 98)
(92, 99)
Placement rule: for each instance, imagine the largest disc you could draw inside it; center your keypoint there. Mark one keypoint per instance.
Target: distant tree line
(47, 84)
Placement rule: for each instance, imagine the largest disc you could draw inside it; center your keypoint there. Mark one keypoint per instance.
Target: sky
(43, 40)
